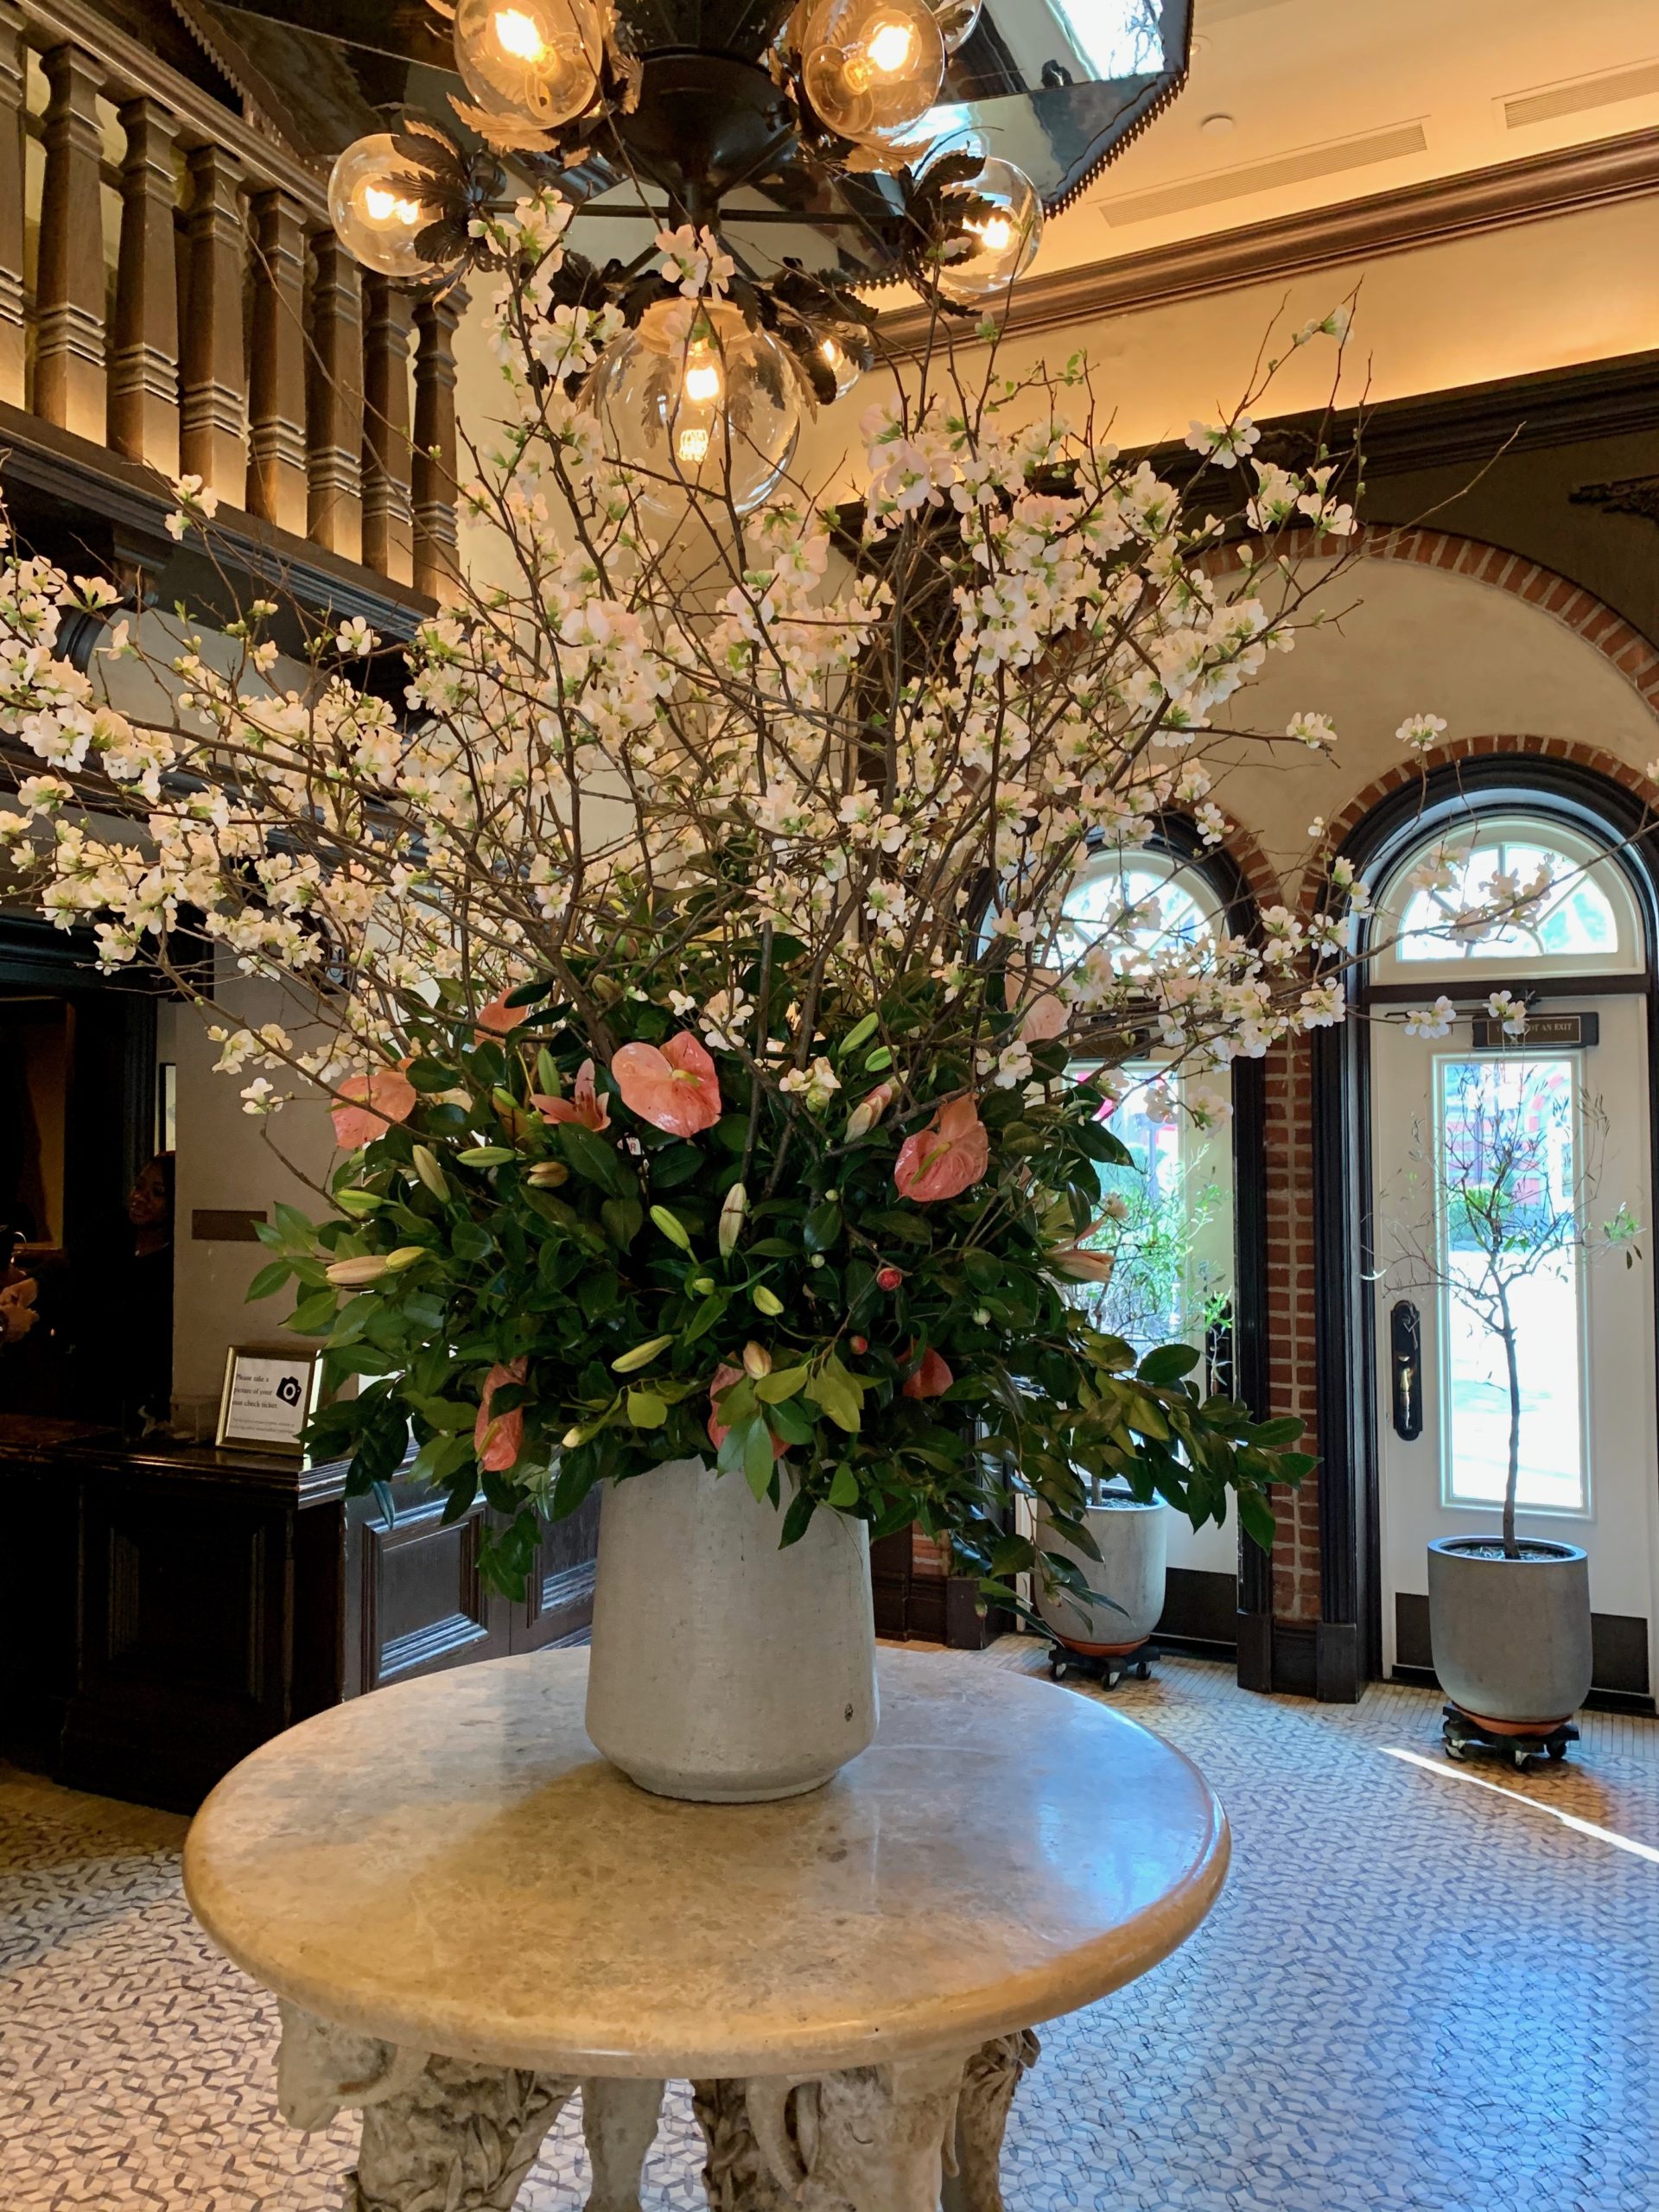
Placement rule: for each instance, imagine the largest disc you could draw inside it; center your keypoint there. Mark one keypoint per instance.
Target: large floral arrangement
(681, 939)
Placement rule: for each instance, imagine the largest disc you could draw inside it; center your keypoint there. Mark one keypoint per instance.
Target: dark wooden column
(212, 441)
(70, 386)
(276, 456)
(334, 402)
(433, 462)
(388, 531)
(144, 357)
(11, 204)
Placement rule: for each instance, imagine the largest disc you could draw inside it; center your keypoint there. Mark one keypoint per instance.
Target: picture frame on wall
(271, 1392)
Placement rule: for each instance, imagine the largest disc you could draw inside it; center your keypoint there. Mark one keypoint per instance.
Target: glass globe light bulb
(957, 20)
(535, 60)
(709, 411)
(378, 208)
(1003, 236)
(841, 364)
(871, 67)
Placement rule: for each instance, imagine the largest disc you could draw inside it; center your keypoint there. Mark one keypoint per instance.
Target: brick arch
(1635, 656)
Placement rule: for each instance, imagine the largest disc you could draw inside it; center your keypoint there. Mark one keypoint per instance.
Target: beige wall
(227, 1158)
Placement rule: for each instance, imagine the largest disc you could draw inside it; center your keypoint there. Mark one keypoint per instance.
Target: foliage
(796, 799)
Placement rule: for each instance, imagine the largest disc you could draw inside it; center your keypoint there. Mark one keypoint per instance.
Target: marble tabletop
(450, 1866)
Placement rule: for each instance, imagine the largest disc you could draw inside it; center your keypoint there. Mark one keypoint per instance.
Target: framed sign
(271, 1392)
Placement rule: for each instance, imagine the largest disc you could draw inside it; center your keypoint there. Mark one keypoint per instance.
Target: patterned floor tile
(1416, 1995)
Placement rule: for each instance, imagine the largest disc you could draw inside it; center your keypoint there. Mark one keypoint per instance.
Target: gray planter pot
(1511, 1636)
(1133, 1541)
(724, 1669)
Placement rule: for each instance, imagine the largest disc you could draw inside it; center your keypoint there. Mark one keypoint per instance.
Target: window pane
(1508, 1232)
(1137, 906)
(1576, 920)
(1170, 1280)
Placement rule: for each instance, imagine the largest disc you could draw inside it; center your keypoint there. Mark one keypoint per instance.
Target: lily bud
(357, 1273)
(427, 1167)
(731, 1219)
(404, 1256)
(869, 1111)
(547, 1175)
(757, 1360)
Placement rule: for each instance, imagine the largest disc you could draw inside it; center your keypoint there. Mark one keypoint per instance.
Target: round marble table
(466, 1914)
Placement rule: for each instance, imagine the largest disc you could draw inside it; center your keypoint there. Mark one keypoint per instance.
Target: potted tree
(1512, 1189)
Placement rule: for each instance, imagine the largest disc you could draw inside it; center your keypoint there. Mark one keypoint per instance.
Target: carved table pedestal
(469, 1917)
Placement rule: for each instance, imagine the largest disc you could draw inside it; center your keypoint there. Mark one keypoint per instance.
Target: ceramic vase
(725, 1670)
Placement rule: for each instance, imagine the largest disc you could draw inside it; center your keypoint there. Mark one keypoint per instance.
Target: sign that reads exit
(1574, 1031)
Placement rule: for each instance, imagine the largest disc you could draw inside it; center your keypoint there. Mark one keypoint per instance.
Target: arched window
(1143, 902)
(1584, 922)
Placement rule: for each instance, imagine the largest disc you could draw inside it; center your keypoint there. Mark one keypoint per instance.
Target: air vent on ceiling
(1308, 163)
(1573, 97)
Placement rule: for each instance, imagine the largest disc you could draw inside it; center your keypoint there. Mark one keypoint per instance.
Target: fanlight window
(1140, 902)
(1584, 921)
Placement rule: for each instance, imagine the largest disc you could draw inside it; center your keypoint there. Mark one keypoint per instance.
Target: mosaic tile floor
(1418, 1994)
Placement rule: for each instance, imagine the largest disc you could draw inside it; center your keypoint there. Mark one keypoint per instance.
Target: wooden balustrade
(229, 336)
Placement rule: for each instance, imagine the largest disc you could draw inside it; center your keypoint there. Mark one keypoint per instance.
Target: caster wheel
(1112, 1676)
(1058, 1670)
(1557, 1752)
(1523, 1761)
(1143, 1672)
(1455, 1748)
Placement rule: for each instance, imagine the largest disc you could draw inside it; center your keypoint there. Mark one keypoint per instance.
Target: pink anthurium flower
(722, 1379)
(676, 1089)
(497, 1019)
(499, 1439)
(586, 1106)
(1041, 1018)
(380, 1098)
(943, 1160)
(1078, 1264)
(931, 1379)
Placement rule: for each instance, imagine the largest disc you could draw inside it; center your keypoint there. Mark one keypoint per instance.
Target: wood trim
(130, 70)
(1543, 184)
(131, 502)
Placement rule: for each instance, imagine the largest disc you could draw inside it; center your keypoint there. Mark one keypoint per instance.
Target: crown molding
(1511, 193)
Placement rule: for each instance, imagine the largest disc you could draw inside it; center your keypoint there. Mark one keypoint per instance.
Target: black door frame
(1349, 1637)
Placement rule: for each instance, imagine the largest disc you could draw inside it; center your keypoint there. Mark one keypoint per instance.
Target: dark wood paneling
(419, 1601)
(1200, 1608)
(558, 1602)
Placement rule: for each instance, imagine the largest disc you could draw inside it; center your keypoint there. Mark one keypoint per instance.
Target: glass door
(1511, 1179)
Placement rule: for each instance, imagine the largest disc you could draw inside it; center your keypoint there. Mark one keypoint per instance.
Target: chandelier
(771, 166)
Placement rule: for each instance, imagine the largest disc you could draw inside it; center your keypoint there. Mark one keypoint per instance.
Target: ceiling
(1329, 100)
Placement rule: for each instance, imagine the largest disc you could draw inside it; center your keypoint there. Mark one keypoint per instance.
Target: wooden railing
(170, 289)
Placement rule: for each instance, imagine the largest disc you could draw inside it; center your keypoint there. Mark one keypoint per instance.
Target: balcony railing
(170, 289)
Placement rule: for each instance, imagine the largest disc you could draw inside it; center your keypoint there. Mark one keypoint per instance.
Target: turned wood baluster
(212, 440)
(276, 454)
(433, 469)
(12, 351)
(145, 358)
(70, 386)
(334, 403)
(388, 531)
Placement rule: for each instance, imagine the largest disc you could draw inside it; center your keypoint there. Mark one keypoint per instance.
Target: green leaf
(782, 1382)
(1168, 1363)
(646, 1409)
(843, 1491)
(758, 1458)
(1255, 1517)
(268, 1279)
(799, 1518)
(623, 1218)
(313, 1314)
(671, 1226)
(1274, 1435)
(592, 1159)
(447, 1412)
(529, 994)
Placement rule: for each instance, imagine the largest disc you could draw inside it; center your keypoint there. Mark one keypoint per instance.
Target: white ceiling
(1329, 100)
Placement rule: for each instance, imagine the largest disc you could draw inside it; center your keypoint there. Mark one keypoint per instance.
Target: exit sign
(1575, 1031)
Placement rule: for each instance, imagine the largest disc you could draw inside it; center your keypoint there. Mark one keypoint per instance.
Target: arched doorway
(1407, 1111)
